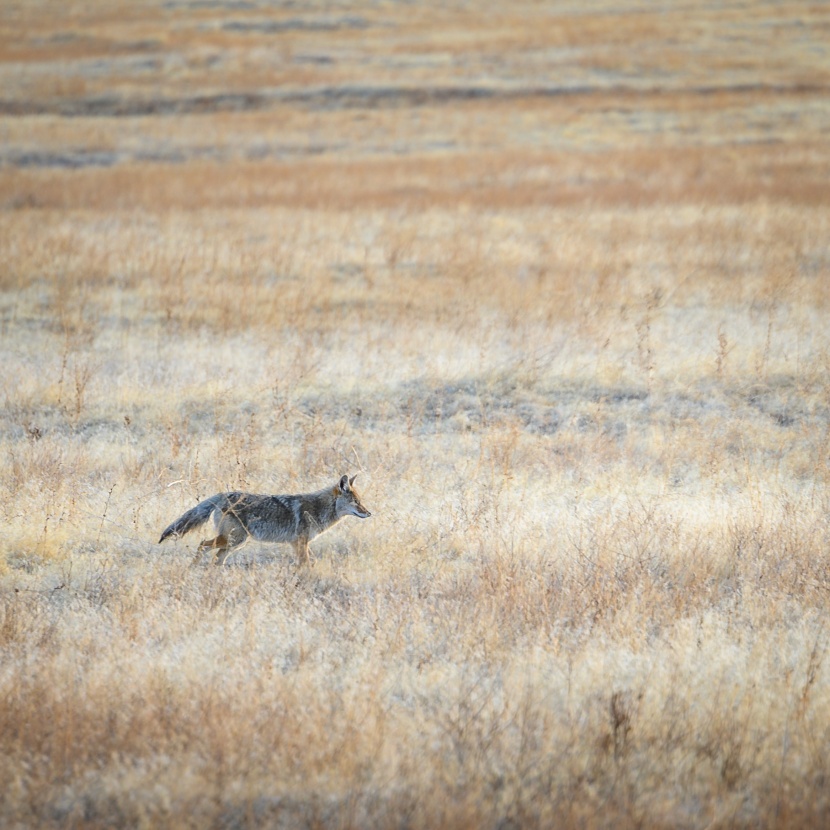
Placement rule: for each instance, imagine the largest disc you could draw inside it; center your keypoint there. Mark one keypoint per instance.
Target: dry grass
(560, 291)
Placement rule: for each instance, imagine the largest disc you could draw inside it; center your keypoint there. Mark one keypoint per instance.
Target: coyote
(297, 519)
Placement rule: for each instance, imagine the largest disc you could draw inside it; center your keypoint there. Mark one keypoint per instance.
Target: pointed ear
(351, 480)
(344, 484)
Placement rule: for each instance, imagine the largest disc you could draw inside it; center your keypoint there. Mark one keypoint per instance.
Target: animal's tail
(196, 516)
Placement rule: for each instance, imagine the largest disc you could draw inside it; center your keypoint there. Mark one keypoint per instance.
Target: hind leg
(233, 544)
(232, 536)
(223, 546)
(219, 544)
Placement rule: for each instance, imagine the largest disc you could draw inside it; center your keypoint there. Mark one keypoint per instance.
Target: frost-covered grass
(594, 585)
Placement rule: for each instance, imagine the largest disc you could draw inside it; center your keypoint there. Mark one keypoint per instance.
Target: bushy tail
(195, 517)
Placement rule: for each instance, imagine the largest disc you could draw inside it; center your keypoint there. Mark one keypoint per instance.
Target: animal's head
(347, 502)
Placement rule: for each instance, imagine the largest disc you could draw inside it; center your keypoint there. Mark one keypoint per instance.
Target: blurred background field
(554, 280)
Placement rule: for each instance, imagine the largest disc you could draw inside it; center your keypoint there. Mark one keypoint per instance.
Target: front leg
(302, 550)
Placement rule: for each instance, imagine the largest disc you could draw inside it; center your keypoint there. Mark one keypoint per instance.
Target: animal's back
(267, 518)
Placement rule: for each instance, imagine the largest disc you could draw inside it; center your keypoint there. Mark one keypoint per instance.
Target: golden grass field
(555, 283)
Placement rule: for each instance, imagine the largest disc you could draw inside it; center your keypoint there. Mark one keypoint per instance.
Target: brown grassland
(554, 279)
